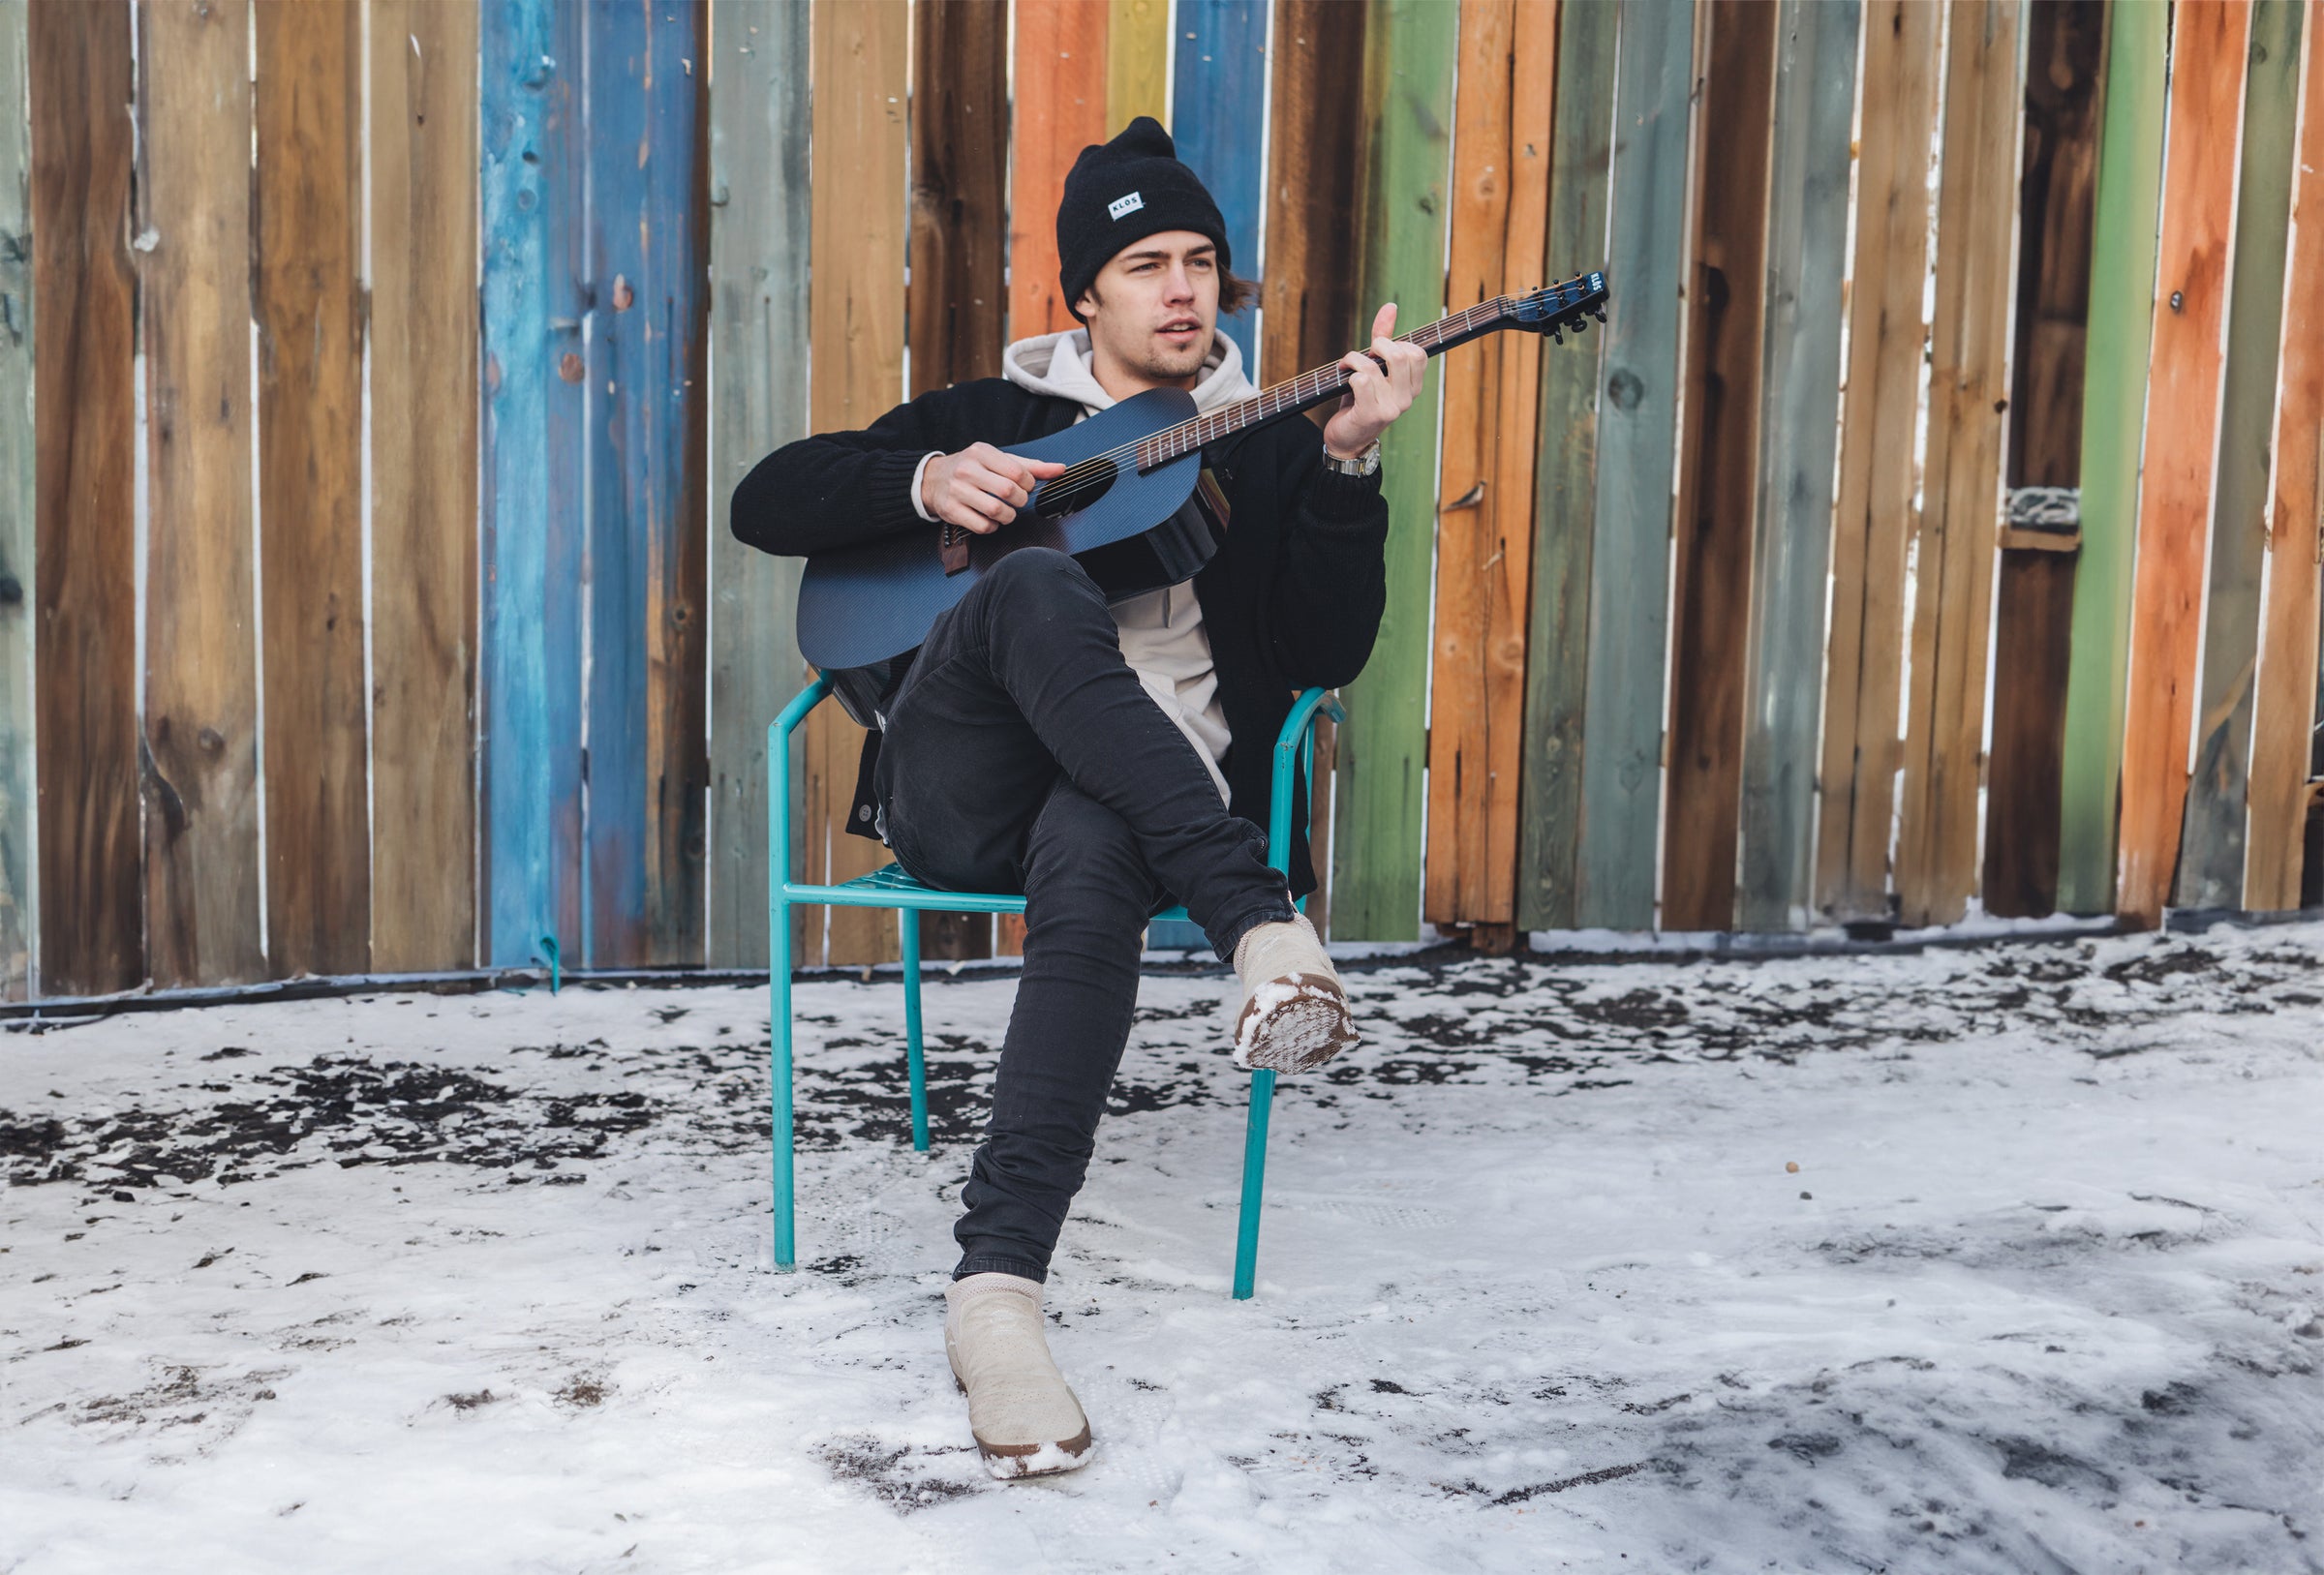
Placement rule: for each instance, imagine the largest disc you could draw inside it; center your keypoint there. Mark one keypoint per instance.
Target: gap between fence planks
(19, 466)
(856, 336)
(1864, 665)
(2211, 864)
(1565, 483)
(2208, 45)
(1719, 461)
(955, 305)
(2034, 605)
(82, 561)
(758, 255)
(2287, 689)
(1968, 395)
(309, 311)
(2123, 246)
(1621, 787)
(1807, 232)
(201, 764)
(1308, 295)
(1501, 145)
(1409, 47)
(422, 107)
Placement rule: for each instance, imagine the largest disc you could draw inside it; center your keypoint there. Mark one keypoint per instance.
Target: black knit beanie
(1119, 193)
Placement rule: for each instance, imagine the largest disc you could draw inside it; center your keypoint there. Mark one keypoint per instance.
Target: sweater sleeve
(839, 488)
(1330, 585)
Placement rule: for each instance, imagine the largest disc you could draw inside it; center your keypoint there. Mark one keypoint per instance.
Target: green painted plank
(1800, 433)
(18, 921)
(2211, 859)
(758, 233)
(2121, 298)
(1637, 430)
(1565, 483)
(1409, 46)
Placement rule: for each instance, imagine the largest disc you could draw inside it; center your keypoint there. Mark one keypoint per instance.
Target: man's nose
(1181, 284)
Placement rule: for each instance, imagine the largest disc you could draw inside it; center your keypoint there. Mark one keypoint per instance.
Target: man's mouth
(1180, 329)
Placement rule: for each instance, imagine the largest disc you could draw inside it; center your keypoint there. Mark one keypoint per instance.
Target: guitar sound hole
(1077, 488)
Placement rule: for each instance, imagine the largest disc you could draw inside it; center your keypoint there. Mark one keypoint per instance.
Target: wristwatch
(1364, 463)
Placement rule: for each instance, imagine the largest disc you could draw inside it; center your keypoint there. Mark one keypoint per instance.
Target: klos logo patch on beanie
(1124, 205)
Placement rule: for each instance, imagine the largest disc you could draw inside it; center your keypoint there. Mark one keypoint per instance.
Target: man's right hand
(980, 488)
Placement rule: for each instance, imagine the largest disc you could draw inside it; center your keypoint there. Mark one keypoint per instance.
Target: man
(1103, 755)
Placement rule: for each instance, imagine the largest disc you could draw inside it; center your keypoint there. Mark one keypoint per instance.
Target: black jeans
(1022, 754)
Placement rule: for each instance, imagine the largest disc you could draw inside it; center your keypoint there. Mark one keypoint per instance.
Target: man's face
(1152, 308)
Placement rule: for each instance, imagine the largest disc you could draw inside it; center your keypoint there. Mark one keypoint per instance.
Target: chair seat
(889, 886)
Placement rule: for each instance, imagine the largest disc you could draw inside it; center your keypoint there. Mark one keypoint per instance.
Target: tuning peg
(1555, 335)
(1599, 314)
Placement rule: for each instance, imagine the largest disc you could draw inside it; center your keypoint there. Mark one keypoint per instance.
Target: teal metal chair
(891, 888)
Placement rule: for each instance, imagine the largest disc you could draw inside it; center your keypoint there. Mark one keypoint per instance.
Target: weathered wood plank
(84, 286)
(647, 767)
(1409, 47)
(1315, 135)
(19, 466)
(2034, 605)
(201, 693)
(532, 372)
(2211, 862)
(1484, 512)
(1565, 483)
(1887, 337)
(309, 309)
(1969, 393)
(1060, 108)
(2122, 292)
(856, 312)
(758, 253)
(1137, 61)
(2286, 691)
(423, 478)
(1219, 123)
(959, 242)
(1807, 236)
(1719, 467)
(1638, 415)
(2208, 47)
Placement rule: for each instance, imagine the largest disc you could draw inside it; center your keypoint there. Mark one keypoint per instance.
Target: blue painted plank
(648, 766)
(531, 500)
(1218, 116)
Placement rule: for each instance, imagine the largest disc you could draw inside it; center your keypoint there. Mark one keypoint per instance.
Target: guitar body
(859, 606)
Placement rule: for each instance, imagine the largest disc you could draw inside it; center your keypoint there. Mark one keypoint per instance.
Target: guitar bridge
(952, 548)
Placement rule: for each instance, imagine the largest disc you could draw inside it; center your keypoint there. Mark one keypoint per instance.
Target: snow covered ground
(415, 1282)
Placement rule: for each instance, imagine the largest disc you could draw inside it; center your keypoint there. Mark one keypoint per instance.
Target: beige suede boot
(1026, 1420)
(1295, 1011)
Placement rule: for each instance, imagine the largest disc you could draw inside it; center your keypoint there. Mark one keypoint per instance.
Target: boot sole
(1013, 1461)
(1294, 1024)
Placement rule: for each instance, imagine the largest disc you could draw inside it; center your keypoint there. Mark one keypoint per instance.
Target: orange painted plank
(2207, 47)
(309, 307)
(201, 693)
(1501, 123)
(2284, 710)
(1060, 110)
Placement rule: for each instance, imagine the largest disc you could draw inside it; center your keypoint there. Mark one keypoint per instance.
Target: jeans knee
(1041, 576)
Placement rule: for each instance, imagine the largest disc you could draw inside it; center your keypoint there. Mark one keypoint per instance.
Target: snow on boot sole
(1294, 1024)
(1008, 1462)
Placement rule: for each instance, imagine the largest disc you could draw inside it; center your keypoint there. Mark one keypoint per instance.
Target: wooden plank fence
(1647, 661)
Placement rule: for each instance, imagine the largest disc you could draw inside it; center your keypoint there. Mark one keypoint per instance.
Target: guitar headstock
(1556, 308)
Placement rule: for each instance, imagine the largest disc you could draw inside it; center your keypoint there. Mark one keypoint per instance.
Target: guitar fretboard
(1309, 389)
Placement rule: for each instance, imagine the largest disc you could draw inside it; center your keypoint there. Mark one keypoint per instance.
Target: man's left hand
(1375, 397)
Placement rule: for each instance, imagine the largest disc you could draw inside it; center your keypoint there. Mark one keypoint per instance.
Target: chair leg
(1254, 1182)
(909, 921)
(787, 1247)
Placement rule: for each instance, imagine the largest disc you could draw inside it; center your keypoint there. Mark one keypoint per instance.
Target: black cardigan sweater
(1291, 599)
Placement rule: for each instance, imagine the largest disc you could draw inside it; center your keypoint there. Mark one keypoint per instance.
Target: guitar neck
(1312, 389)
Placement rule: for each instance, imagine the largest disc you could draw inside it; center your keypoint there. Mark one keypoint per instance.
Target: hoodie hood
(1057, 366)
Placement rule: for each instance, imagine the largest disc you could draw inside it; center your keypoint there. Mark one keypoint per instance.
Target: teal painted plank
(1799, 434)
(1218, 118)
(648, 660)
(2122, 295)
(1409, 47)
(532, 498)
(1565, 483)
(1637, 426)
(758, 249)
(18, 920)
(2211, 859)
